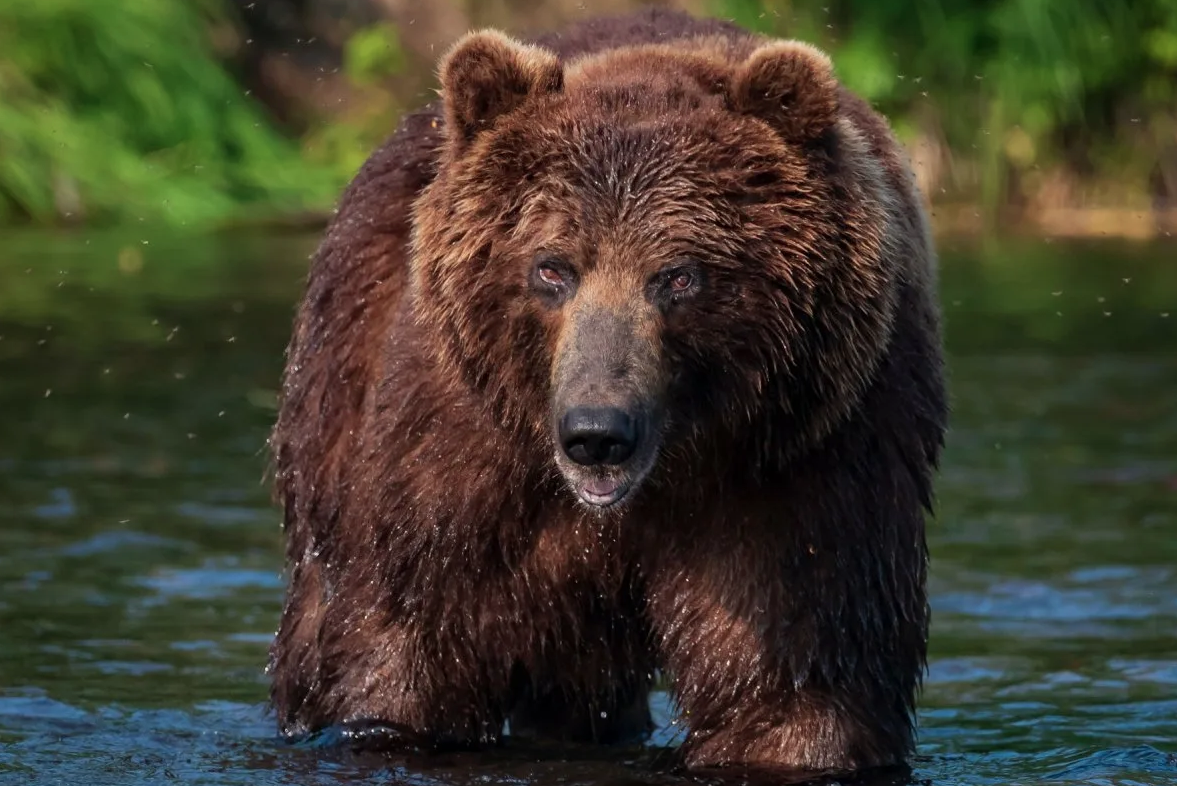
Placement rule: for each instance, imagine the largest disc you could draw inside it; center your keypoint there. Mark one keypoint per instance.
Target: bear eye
(549, 275)
(676, 284)
(682, 281)
(553, 280)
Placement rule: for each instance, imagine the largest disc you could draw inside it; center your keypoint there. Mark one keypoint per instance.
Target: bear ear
(486, 75)
(791, 85)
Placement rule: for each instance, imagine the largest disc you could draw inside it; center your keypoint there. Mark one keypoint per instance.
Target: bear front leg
(766, 676)
(797, 732)
(347, 667)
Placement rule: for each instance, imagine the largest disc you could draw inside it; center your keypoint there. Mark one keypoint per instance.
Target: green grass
(1013, 87)
(125, 112)
(121, 110)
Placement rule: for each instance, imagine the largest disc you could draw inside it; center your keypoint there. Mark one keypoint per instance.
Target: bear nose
(592, 436)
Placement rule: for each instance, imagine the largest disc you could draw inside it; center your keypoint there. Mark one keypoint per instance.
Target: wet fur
(441, 576)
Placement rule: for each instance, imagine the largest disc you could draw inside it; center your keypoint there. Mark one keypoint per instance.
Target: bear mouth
(602, 492)
(607, 486)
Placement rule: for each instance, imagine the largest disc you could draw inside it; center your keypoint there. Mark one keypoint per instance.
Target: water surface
(140, 557)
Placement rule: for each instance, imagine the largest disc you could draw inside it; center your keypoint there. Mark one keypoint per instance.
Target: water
(140, 558)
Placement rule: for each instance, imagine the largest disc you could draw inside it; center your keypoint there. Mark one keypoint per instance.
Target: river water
(140, 557)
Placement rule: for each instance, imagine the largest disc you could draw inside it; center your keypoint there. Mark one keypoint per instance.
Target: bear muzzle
(607, 390)
(597, 436)
(604, 452)
(600, 442)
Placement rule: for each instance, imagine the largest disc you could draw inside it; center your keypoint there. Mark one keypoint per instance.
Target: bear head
(653, 257)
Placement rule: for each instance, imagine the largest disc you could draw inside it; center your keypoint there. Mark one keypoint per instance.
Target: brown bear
(622, 357)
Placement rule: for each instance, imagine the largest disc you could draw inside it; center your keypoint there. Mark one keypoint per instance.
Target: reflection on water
(139, 557)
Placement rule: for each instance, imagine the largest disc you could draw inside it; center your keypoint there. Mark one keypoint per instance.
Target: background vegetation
(197, 112)
(115, 109)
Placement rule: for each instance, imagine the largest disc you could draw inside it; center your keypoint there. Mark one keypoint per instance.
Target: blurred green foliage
(371, 57)
(121, 110)
(1013, 87)
(374, 53)
(127, 111)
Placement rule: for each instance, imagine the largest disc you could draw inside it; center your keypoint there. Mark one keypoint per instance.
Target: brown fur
(772, 557)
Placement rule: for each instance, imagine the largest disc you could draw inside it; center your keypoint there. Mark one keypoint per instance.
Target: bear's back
(648, 26)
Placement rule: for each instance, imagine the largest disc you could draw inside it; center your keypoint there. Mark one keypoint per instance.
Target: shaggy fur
(443, 575)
